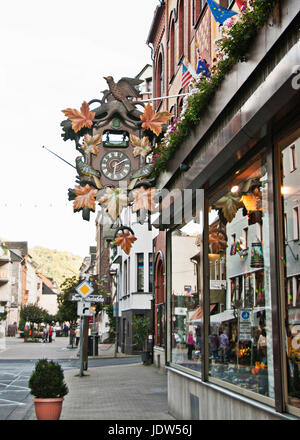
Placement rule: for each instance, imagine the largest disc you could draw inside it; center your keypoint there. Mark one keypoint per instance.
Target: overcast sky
(53, 56)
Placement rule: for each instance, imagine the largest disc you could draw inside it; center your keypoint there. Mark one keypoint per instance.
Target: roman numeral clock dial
(115, 165)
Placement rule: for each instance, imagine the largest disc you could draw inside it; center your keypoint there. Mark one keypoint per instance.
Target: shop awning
(197, 315)
(227, 315)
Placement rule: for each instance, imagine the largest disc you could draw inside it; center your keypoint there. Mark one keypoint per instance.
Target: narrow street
(118, 379)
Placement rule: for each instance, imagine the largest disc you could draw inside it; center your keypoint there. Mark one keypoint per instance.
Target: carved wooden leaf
(114, 199)
(143, 198)
(125, 240)
(141, 146)
(217, 241)
(153, 121)
(90, 144)
(230, 204)
(82, 118)
(85, 196)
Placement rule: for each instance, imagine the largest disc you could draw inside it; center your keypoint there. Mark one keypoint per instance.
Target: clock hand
(118, 163)
(121, 162)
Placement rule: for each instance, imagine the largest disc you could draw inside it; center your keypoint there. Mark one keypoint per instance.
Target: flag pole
(59, 157)
(161, 97)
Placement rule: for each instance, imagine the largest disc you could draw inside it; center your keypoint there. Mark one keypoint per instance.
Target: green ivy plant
(233, 47)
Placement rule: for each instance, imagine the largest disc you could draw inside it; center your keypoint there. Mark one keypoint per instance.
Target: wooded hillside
(56, 264)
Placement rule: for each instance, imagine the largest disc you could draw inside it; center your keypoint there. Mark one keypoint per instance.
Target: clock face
(115, 165)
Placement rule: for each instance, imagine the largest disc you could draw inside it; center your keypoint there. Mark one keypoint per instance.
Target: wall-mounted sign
(245, 329)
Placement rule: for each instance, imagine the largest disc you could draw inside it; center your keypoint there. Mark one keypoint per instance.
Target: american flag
(186, 76)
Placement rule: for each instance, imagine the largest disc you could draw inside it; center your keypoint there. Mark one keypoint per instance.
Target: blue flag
(220, 14)
(202, 66)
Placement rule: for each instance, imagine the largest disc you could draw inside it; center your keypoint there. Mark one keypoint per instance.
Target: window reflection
(240, 328)
(290, 190)
(186, 306)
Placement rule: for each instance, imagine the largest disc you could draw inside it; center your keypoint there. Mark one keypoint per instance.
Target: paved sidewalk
(126, 392)
(115, 392)
(16, 348)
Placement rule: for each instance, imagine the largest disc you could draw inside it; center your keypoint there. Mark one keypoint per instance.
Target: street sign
(245, 325)
(90, 298)
(84, 309)
(84, 289)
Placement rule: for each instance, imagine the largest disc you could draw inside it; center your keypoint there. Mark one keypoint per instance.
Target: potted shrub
(49, 388)
(141, 331)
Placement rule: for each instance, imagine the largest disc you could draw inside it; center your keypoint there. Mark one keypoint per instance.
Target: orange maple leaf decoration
(82, 118)
(153, 121)
(125, 240)
(141, 146)
(143, 198)
(115, 199)
(85, 197)
(90, 144)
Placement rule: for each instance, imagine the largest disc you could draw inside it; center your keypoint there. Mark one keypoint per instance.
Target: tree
(4, 314)
(67, 310)
(32, 314)
(141, 330)
(112, 321)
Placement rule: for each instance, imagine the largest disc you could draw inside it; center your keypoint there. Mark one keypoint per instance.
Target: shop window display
(186, 305)
(241, 327)
(290, 192)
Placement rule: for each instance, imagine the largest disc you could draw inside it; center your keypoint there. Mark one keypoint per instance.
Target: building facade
(239, 295)
(22, 284)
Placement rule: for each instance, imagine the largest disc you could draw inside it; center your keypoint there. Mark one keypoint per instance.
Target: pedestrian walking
(223, 345)
(45, 334)
(66, 330)
(72, 335)
(50, 333)
(262, 347)
(190, 345)
(214, 345)
(77, 334)
(53, 332)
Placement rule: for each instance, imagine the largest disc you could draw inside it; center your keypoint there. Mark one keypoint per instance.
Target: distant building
(22, 284)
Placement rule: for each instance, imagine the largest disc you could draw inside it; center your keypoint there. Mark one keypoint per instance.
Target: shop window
(290, 189)
(240, 340)
(150, 271)
(186, 306)
(128, 275)
(160, 305)
(140, 272)
(296, 223)
(160, 322)
(125, 278)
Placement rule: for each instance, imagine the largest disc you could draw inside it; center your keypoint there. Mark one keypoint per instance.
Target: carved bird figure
(124, 89)
(87, 170)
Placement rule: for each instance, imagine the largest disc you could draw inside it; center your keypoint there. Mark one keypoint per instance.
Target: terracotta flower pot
(48, 409)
